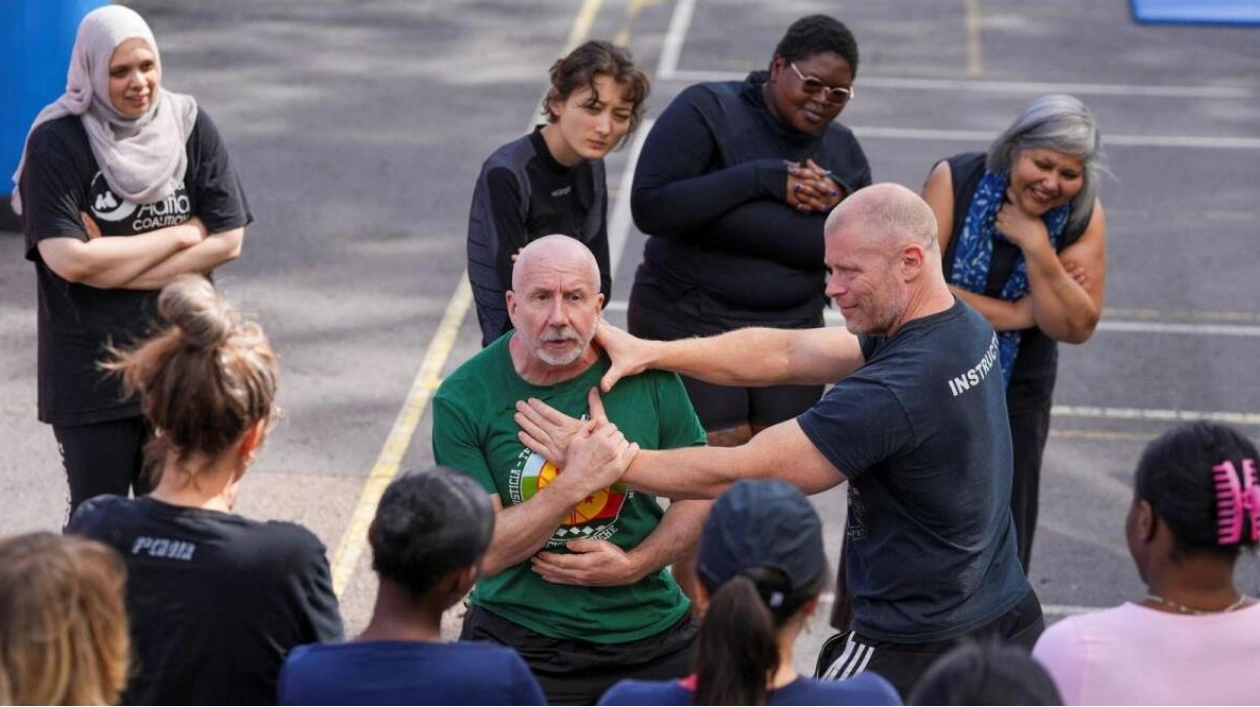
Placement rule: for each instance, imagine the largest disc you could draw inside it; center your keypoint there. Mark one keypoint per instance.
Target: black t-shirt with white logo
(216, 601)
(60, 181)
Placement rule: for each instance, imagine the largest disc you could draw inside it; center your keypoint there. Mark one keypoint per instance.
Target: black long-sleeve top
(710, 191)
(523, 194)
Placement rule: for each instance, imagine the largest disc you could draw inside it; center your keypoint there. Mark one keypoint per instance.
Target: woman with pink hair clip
(1194, 637)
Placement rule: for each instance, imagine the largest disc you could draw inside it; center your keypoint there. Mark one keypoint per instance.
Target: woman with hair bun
(1194, 637)
(216, 600)
(761, 566)
(63, 625)
(431, 530)
(552, 181)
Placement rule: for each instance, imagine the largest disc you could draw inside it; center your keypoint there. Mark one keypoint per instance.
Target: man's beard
(565, 359)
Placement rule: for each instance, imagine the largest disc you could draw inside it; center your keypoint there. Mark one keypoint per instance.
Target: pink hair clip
(1237, 501)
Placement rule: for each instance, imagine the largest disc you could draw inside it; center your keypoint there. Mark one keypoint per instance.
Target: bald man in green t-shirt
(575, 578)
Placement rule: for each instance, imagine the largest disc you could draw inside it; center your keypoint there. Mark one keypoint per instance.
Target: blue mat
(1197, 12)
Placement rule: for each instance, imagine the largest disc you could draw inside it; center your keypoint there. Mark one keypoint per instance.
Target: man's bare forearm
(523, 529)
(674, 537)
(688, 473)
(760, 356)
(748, 357)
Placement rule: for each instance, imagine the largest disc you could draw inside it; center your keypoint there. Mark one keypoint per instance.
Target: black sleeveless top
(1037, 363)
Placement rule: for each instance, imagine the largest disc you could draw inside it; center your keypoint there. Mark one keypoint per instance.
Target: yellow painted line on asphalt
(354, 539)
(582, 24)
(622, 38)
(427, 379)
(974, 65)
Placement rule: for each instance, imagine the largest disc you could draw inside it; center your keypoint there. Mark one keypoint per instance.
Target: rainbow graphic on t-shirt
(603, 505)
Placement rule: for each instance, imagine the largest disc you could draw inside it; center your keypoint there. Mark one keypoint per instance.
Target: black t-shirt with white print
(61, 180)
(216, 601)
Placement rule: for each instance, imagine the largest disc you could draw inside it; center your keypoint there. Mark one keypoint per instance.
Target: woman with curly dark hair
(552, 181)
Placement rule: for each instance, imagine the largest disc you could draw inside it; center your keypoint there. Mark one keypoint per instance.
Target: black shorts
(656, 313)
(848, 654)
(574, 672)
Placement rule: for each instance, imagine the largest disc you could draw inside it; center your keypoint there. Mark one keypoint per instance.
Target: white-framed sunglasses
(811, 85)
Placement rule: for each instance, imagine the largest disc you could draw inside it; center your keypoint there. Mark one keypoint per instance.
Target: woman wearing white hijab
(123, 186)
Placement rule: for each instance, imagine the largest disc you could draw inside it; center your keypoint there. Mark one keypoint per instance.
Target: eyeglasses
(811, 85)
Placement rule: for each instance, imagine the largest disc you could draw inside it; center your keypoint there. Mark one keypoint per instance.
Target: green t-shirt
(473, 431)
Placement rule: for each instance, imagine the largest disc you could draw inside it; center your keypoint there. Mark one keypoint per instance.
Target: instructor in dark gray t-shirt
(917, 423)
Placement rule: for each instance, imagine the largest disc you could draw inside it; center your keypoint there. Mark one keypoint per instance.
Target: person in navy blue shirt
(430, 532)
(761, 567)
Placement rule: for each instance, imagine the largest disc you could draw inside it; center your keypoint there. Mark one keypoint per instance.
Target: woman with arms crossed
(123, 186)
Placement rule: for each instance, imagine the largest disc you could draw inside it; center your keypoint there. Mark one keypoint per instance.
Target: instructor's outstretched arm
(745, 357)
(781, 452)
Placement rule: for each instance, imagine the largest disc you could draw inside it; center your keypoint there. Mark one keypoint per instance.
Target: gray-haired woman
(1023, 237)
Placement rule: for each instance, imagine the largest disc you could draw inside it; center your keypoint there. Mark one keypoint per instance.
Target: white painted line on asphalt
(1019, 87)
(1108, 413)
(1202, 315)
(833, 318)
(1102, 435)
(1203, 142)
(679, 23)
(1069, 609)
(620, 221)
(1195, 329)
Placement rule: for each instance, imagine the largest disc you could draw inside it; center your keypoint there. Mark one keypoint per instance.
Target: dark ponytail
(737, 649)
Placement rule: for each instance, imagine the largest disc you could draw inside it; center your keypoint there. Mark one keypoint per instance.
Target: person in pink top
(1194, 637)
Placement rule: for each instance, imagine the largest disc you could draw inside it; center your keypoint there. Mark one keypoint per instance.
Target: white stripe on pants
(852, 661)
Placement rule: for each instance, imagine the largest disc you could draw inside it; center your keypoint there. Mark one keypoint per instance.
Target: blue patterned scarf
(975, 251)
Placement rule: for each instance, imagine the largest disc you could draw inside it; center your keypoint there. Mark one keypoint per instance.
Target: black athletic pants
(845, 655)
(104, 458)
(1029, 431)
